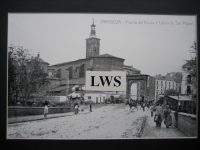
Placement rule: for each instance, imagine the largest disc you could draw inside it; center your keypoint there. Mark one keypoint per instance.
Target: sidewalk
(41, 117)
(49, 116)
(151, 131)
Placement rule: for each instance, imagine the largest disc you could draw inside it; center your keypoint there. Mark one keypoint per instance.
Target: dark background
(165, 7)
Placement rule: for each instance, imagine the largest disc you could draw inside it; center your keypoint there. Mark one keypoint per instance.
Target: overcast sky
(152, 47)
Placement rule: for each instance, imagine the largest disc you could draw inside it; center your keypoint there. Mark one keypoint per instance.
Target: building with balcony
(159, 84)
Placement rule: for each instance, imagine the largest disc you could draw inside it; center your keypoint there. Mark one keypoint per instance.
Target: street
(110, 121)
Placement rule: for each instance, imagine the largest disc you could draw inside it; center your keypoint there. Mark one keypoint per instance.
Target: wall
(101, 63)
(151, 88)
(53, 83)
(117, 64)
(25, 111)
(187, 123)
(107, 64)
(94, 97)
(58, 98)
(74, 65)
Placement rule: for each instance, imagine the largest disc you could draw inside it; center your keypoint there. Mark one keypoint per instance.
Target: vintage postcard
(101, 76)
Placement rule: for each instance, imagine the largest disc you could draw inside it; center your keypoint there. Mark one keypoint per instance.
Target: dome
(93, 25)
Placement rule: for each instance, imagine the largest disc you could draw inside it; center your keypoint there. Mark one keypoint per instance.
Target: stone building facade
(93, 61)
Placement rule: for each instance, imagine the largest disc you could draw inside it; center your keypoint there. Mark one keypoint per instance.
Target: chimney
(159, 75)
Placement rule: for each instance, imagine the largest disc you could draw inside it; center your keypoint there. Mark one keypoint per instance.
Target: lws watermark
(105, 81)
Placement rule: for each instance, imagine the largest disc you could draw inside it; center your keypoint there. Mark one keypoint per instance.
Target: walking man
(152, 110)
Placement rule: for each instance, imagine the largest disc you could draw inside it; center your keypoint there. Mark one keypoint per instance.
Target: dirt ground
(106, 122)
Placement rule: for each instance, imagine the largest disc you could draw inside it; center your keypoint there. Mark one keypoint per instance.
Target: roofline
(67, 62)
(106, 57)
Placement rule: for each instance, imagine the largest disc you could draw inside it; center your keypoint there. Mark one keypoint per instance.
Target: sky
(153, 44)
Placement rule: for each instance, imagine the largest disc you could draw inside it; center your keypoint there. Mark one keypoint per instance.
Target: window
(188, 90)
(89, 97)
(189, 79)
(157, 82)
(157, 87)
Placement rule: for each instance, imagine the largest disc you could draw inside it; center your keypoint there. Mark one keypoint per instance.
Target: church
(93, 61)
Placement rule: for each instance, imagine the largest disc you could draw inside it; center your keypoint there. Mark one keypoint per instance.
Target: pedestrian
(152, 110)
(167, 116)
(90, 106)
(45, 108)
(142, 106)
(76, 106)
(176, 115)
(158, 118)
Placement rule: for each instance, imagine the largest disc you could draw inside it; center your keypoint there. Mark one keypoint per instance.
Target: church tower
(92, 43)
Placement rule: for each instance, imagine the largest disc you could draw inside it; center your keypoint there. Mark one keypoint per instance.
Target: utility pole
(67, 84)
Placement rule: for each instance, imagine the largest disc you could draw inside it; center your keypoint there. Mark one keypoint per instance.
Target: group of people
(162, 112)
(134, 103)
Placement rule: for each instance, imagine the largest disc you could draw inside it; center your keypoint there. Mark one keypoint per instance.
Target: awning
(74, 95)
(181, 98)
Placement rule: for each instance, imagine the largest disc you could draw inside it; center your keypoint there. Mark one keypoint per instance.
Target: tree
(171, 92)
(25, 74)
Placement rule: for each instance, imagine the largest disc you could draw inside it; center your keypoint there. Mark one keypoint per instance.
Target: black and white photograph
(141, 69)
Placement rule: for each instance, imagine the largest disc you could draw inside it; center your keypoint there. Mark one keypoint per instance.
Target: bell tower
(92, 43)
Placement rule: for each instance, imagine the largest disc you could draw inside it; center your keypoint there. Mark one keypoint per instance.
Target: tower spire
(93, 32)
(92, 43)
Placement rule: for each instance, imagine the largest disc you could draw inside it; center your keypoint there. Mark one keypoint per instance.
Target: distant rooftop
(131, 67)
(42, 61)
